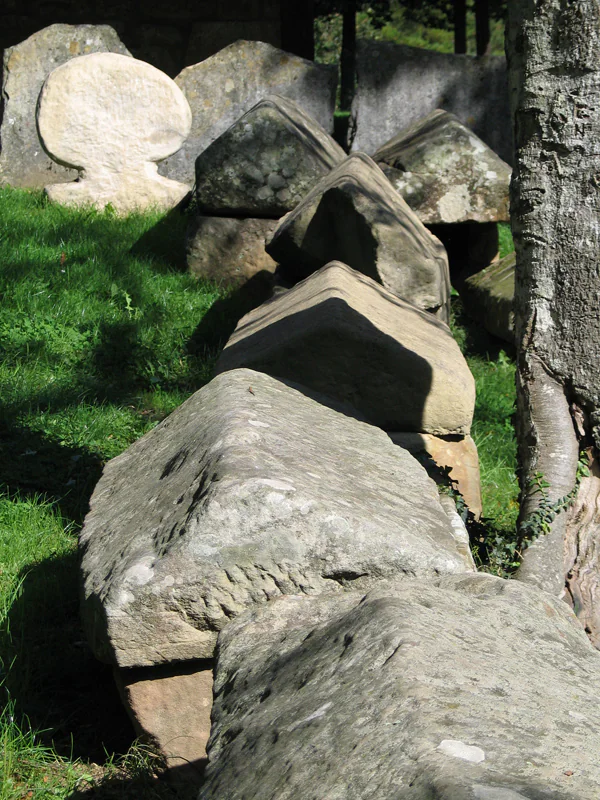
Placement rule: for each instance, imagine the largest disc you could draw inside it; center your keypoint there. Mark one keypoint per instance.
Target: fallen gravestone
(454, 458)
(23, 160)
(354, 215)
(446, 174)
(396, 85)
(265, 163)
(229, 250)
(461, 688)
(345, 336)
(237, 498)
(455, 184)
(113, 117)
(226, 85)
(488, 296)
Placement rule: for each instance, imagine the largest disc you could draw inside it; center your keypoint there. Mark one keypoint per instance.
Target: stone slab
(462, 688)
(223, 87)
(265, 163)
(237, 498)
(113, 118)
(489, 295)
(458, 455)
(229, 250)
(171, 707)
(445, 173)
(354, 215)
(343, 335)
(23, 160)
(396, 85)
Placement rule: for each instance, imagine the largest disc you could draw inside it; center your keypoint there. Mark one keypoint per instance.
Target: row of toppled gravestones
(271, 533)
(113, 121)
(114, 117)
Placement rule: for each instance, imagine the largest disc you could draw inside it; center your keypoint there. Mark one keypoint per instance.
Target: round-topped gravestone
(113, 118)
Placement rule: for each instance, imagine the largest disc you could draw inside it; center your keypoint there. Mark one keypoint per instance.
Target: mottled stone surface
(489, 297)
(354, 215)
(170, 706)
(237, 498)
(341, 334)
(458, 455)
(226, 85)
(464, 688)
(265, 163)
(113, 117)
(397, 85)
(23, 160)
(229, 250)
(445, 173)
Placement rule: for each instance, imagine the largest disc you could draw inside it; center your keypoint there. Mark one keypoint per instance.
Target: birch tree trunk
(553, 49)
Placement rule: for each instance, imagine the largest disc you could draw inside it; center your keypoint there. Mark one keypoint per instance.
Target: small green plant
(539, 522)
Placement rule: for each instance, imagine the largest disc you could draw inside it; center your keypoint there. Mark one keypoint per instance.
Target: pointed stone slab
(445, 173)
(354, 215)
(340, 333)
(462, 688)
(238, 497)
(265, 163)
(23, 160)
(489, 297)
(223, 87)
(113, 117)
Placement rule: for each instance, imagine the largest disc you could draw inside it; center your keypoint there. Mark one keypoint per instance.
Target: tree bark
(554, 78)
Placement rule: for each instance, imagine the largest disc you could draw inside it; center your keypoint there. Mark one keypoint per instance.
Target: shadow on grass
(55, 682)
(164, 243)
(174, 785)
(220, 320)
(33, 464)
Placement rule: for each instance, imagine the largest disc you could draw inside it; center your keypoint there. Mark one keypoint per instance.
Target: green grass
(492, 364)
(505, 240)
(103, 333)
(399, 30)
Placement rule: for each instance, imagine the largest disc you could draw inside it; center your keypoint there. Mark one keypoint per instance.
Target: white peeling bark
(553, 50)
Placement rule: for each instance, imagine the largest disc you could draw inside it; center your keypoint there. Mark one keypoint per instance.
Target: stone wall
(397, 85)
(170, 34)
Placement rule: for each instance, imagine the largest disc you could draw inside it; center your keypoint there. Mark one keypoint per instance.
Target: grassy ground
(102, 333)
(492, 363)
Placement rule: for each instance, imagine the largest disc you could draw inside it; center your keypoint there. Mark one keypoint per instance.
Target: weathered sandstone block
(489, 296)
(445, 173)
(354, 215)
(113, 117)
(457, 455)
(226, 85)
(229, 250)
(342, 334)
(248, 491)
(265, 163)
(23, 160)
(463, 688)
(170, 705)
